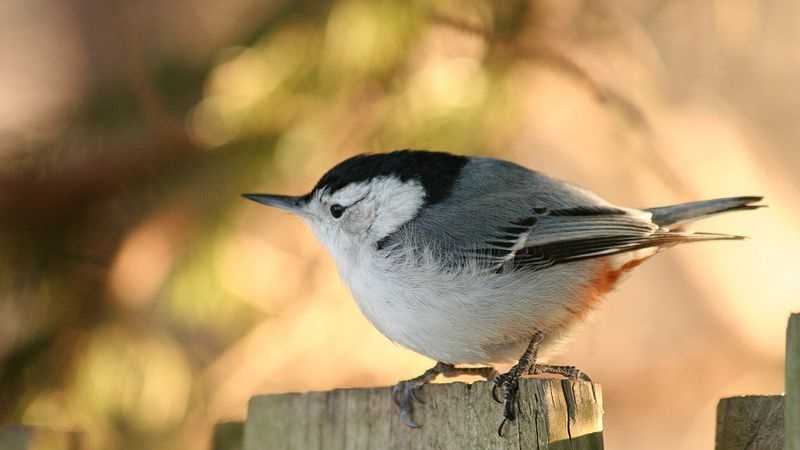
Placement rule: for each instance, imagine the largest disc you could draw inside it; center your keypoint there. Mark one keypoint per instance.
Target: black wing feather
(610, 231)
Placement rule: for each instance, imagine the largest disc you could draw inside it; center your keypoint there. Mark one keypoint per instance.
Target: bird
(475, 261)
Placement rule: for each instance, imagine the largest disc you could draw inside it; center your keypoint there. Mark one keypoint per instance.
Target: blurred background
(142, 300)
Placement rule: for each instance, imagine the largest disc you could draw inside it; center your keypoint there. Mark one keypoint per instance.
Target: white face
(371, 210)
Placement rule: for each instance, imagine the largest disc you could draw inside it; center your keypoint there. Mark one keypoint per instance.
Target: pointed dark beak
(286, 202)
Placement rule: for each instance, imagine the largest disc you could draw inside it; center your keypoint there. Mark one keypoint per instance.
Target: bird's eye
(337, 210)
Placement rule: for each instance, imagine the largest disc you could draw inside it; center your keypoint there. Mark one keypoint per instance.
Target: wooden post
(769, 422)
(792, 411)
(750, 422)
(555, 414)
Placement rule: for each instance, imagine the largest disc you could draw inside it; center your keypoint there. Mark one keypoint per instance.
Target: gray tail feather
(670, 216)
(697, 236)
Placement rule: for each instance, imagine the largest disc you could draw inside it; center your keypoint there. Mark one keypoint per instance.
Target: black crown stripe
(437, 172)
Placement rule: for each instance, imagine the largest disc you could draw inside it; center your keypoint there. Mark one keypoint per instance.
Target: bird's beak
(295, 205)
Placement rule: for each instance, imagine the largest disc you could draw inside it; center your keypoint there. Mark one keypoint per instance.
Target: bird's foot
(509, 382)
(570, 372)
(405, 393)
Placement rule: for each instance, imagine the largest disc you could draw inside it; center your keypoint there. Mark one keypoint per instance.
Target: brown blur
(142, 300)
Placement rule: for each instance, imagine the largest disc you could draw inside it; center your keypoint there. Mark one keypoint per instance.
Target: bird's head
(365, 198)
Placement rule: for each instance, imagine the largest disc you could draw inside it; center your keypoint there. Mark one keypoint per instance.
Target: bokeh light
(142, 300)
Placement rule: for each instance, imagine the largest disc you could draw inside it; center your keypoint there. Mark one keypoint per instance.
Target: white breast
(464, 317)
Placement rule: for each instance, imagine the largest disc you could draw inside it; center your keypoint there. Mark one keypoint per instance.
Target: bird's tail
(676, 215)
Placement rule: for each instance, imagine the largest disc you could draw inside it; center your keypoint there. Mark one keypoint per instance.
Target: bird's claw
(510, 406)
(499, 381)
(583, 376)
(509, 382)
(405, 417)
(569, 372)
(404, 394)
(494, 393)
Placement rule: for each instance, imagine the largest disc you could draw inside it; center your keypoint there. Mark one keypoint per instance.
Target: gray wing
(570, 234)
(507, 217)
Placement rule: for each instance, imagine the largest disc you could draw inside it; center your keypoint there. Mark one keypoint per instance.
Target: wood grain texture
(792, 411)
(555, 414)
(753, 422)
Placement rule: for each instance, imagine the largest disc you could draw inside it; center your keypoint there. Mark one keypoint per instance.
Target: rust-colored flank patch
(605, 279)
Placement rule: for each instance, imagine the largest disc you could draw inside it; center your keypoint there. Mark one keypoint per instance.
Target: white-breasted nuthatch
(472, 260)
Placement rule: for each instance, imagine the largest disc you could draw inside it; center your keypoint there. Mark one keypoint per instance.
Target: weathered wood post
(752, 421)
(792, 412)
(555, 414)
(765, 422)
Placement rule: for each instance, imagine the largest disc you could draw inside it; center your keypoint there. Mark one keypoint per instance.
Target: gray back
(490, 194)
